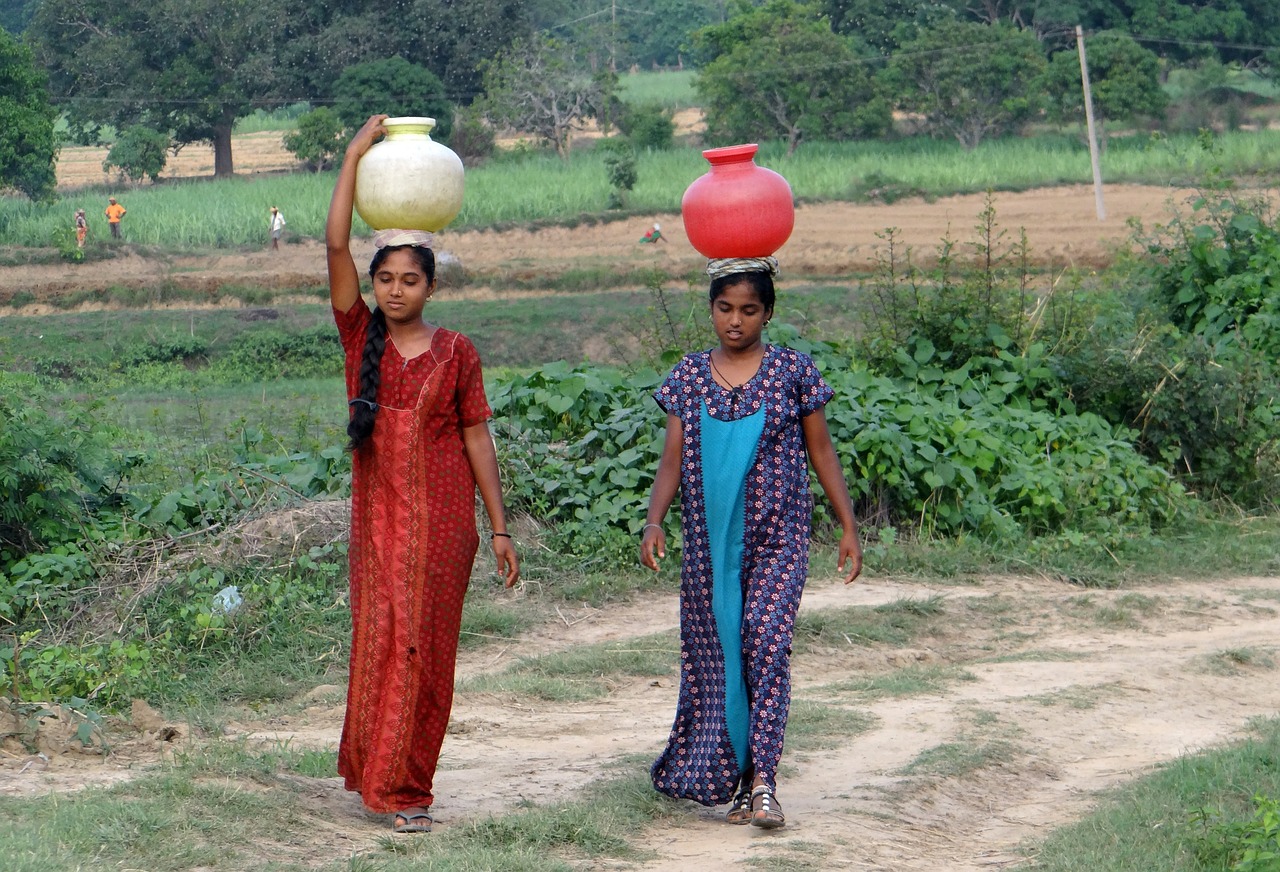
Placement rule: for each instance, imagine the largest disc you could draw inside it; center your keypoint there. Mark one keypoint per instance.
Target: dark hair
(758, 280)
(365, 406)
(426, 259)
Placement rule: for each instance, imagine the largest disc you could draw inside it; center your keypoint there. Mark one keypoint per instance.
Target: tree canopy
(1124, 79)
(780, 72)
(969, 80)
(27, 143)
(186, 67)
(537, 86)
(392, 86)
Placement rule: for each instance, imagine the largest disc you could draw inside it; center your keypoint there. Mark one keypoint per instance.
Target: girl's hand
(366, 136)
(652, 542)
(508, 563)
(851, 552)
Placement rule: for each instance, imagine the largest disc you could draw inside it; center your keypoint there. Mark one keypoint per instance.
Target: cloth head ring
(392, 238)
(727, 266)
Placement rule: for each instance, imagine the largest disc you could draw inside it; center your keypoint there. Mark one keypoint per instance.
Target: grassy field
(529, 189)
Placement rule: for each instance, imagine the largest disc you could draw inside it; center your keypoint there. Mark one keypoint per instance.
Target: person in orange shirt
(114, 213)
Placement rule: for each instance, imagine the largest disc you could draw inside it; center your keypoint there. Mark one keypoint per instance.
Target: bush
(318, 140)
(55, 472)
(957, 309)
(139, 152)
(1217, 270)
(471, 138)
(620, 165)
(393, 86)
(648, 125)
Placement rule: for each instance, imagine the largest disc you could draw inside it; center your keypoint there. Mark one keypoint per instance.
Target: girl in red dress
(421, 446)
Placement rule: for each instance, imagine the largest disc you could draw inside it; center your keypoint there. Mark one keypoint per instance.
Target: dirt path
(829, 239)
(1065, 691)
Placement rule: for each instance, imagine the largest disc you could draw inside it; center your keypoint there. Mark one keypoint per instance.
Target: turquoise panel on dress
(728, 452)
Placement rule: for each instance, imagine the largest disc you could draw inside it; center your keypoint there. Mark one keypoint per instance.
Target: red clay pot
(738, 209)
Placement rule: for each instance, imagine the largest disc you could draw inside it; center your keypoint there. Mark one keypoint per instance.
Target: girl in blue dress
(744, 421)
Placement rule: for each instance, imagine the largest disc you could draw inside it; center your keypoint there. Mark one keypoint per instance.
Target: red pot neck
(731, 156)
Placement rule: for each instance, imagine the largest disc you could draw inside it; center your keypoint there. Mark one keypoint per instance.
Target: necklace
(735, 391)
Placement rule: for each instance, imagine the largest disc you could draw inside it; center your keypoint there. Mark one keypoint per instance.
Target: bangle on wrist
(657, 527)
(503, 535)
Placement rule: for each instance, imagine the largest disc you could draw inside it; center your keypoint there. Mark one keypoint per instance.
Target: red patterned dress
(413, 542)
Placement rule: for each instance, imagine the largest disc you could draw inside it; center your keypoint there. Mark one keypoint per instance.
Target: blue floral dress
(745, 518)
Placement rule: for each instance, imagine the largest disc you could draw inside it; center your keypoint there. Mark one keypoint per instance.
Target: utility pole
(1093, 134)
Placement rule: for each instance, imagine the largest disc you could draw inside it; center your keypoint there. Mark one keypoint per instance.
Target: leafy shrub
(960, 307)
(271, 354)
(393, 86)
(966, 450)
(1217, 270)
(138, 153)
(177, 348)
(471, 138)
(648, 125)
(318, 139)
(620, 165)
(54, 471)
(975, 448)
(1251, 845)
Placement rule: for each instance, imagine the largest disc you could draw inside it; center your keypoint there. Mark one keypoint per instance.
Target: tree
(139, 151)
(15, 15)
(968, 80)
(452, 38)
(392, 86)
(780, 72)
(1124, 78)
(318, 139)
(538, 87)
(1182, 30)
(190, 67)
(27, 143)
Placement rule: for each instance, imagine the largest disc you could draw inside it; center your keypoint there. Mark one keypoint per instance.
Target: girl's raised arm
(344, 280)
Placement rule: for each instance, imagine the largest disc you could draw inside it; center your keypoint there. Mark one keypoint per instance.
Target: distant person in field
(744, 422)
(420, 447)
(277, 228)
(654, 235)
(82, 228)
(114, 213)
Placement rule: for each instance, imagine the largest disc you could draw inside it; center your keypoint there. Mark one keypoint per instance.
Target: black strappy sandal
(740, 808)
(769, 814)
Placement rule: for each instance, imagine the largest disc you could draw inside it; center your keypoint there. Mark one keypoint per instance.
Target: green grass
(958, 759)
(910, 681)
(896, 623)
(1148, 824)
(226, 806)
(586, 672)
(819, 726)
(670, 89)
(531, 189)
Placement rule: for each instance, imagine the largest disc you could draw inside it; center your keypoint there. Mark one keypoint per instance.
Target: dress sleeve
(814, 392)
(473, 406)
(670, 395)
(352, 325)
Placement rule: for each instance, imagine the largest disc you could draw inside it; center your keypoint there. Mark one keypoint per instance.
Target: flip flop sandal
(769, 814)
(740, 808)
(418, 822)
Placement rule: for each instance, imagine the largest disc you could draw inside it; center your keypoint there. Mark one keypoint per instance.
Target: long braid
(365, 406)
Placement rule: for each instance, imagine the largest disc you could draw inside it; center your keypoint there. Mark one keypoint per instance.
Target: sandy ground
(1088, 690)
